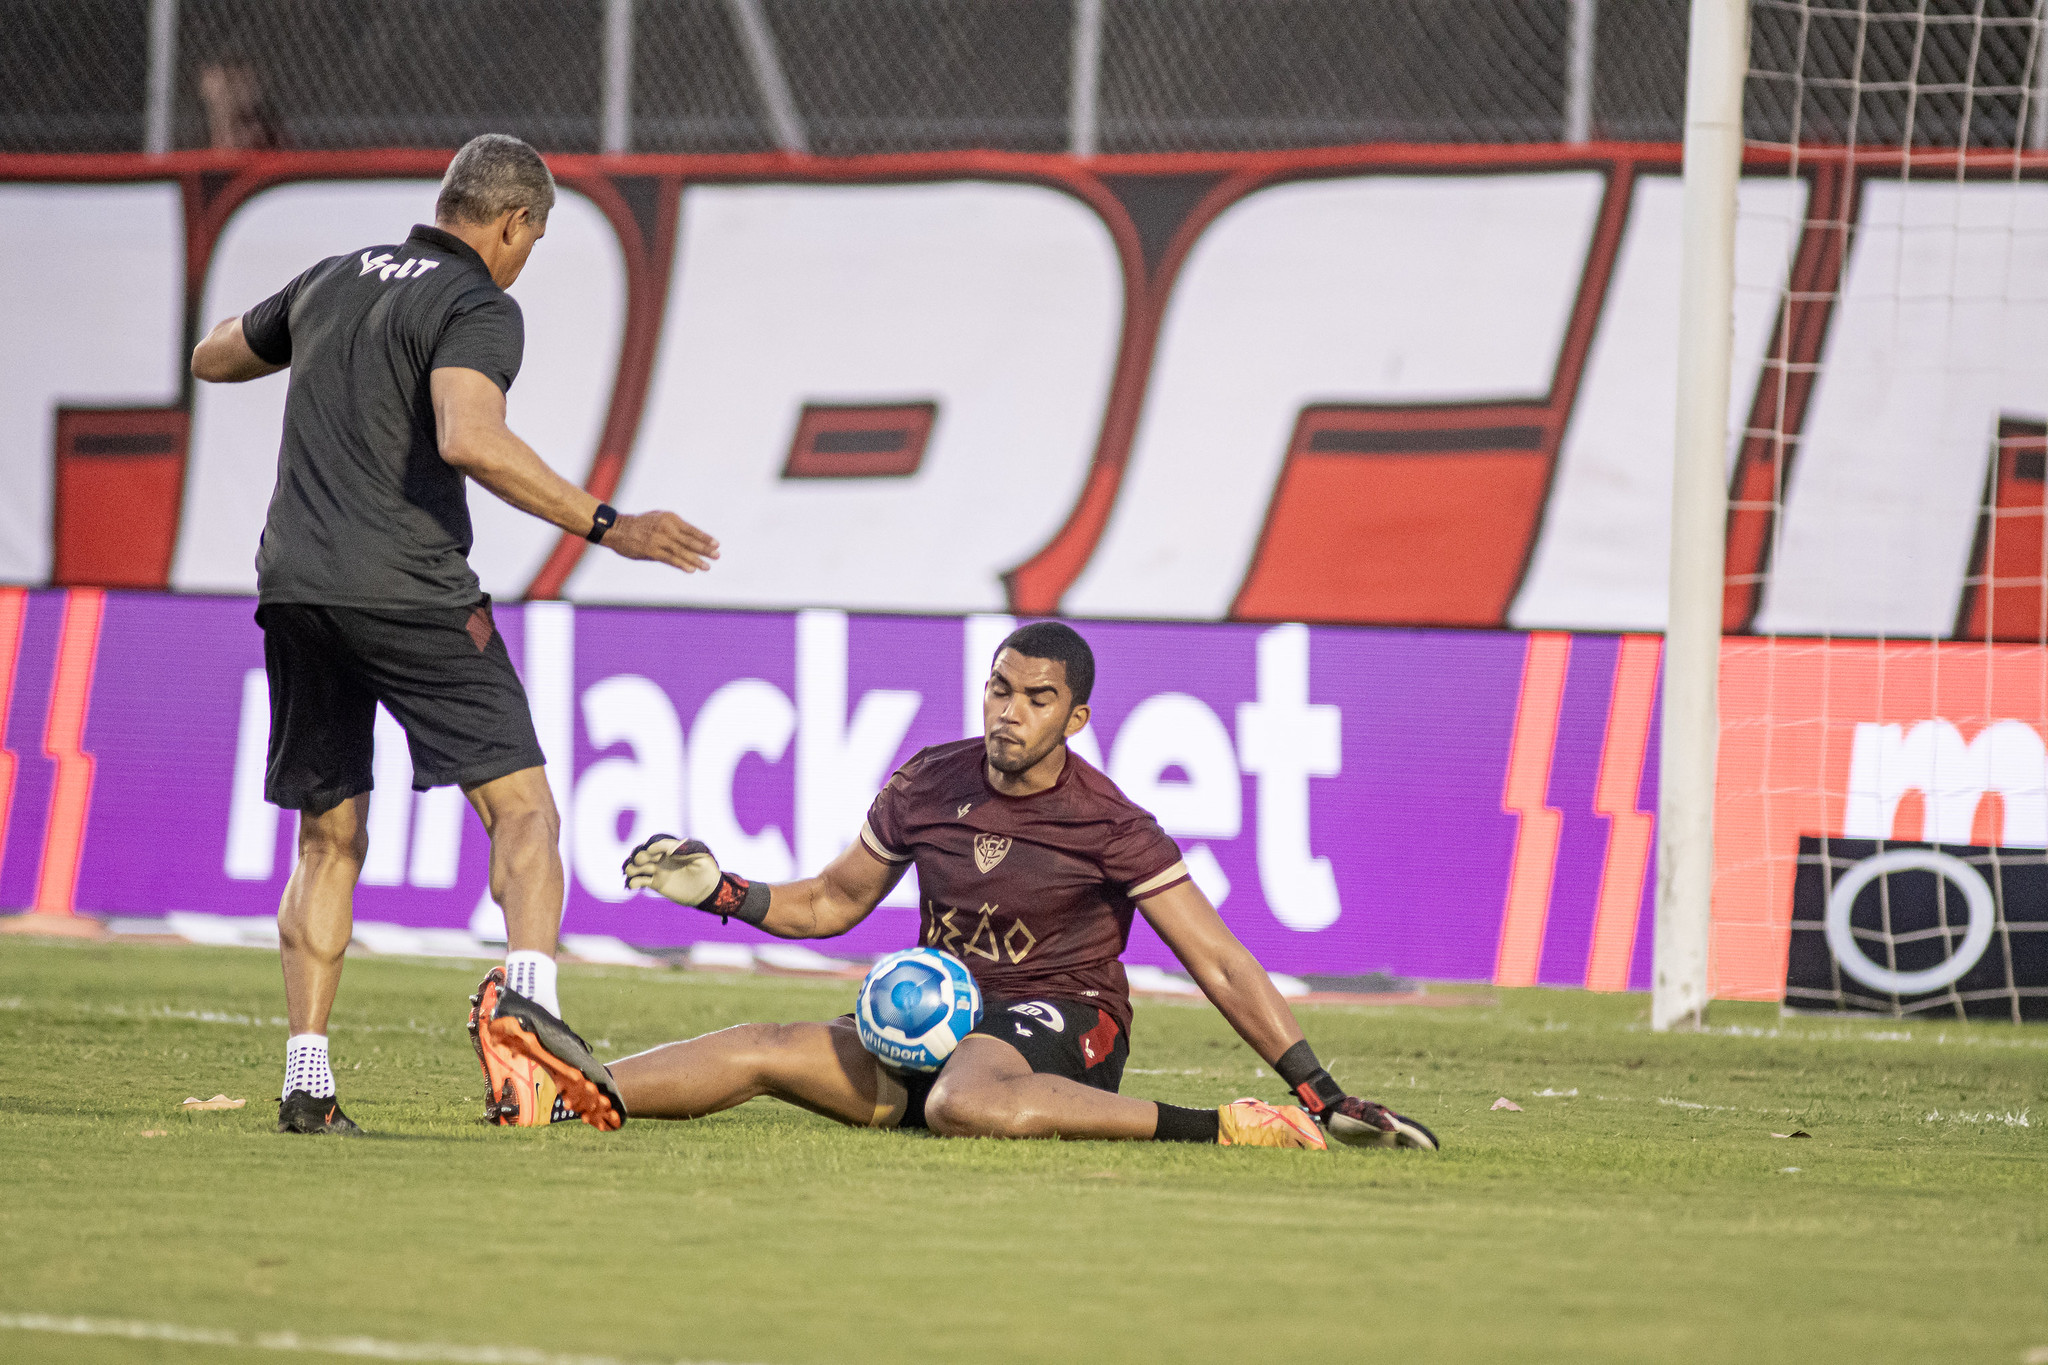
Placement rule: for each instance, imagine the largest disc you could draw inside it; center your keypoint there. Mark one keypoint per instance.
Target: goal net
(1883, 782)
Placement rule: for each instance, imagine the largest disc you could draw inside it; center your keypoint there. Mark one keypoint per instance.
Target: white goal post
(1716, 65)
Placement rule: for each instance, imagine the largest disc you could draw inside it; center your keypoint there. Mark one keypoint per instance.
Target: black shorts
(442, 673)
(1057, 1037)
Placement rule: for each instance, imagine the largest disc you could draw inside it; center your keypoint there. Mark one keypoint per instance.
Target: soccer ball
(914, 1008)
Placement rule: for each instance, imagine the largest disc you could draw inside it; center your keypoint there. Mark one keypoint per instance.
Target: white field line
(1854, 1035)
(2008, 1118)
(223, 1017)
(370, 1348)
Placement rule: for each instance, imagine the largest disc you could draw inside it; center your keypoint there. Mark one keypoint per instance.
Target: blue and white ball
(914, 1008)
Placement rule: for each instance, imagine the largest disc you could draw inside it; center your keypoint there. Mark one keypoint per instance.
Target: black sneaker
(1361, 1123)
(301, 1112)
(580, 1079)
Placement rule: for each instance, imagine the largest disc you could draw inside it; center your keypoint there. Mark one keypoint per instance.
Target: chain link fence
(844, 77)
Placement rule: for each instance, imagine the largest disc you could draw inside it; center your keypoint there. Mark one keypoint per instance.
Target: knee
(325, 842)
(975, 1111)
(765, 1046)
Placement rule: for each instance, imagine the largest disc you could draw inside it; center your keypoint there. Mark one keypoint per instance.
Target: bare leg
(519, 815)
(819, 1067)
(317, 915)
(989, 1090)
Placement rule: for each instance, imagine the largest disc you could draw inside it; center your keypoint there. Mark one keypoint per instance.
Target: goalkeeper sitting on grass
(1030, 862)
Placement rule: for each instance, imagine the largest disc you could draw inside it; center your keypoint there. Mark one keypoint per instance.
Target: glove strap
(738, 899)
(1305, 1076)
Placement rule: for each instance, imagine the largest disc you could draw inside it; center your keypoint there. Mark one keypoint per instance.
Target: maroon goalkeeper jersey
(1034, 893)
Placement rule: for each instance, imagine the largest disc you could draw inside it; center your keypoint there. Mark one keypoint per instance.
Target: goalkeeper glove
(1347, 1118)
(685, 872)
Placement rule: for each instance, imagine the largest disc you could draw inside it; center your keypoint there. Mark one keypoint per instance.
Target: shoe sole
(501, 1102)
(476, 1040)
(577, 1090)
(1407, 1133)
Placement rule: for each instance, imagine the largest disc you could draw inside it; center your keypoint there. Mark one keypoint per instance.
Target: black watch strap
(600, 522)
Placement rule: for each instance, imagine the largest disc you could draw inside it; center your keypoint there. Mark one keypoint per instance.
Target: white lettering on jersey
(388, 269)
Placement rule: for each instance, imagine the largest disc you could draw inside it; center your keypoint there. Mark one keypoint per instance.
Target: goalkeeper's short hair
(493, 174)
(1057, 640)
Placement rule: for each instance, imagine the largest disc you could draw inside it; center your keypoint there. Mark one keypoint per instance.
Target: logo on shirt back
(387, 269)
(990, 849)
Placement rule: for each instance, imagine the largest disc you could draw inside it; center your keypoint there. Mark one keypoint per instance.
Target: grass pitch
(1638, 1208)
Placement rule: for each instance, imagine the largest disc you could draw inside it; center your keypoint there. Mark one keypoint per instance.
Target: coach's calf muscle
(315, 919)
(518, 813)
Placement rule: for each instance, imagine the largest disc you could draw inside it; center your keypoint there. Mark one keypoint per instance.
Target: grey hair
(493, 174)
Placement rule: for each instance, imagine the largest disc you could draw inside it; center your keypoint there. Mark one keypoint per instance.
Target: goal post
(1717, 63)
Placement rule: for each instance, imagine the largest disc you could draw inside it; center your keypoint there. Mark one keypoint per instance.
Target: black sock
(1185, 1125)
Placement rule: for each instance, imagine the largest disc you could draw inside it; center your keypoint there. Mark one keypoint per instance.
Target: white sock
(305, 1066)
(533, 976)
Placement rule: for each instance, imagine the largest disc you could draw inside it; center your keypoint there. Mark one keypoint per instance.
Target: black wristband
(753, 906)
(600, 522)
(737, 898)
(1306, 1077)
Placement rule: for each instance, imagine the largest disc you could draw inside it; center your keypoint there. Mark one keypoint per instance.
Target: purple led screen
(1337, 791)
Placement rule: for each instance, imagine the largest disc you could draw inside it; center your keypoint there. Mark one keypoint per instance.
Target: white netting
(1886, 547)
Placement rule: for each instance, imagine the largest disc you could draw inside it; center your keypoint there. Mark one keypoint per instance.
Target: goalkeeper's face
(1027, 711)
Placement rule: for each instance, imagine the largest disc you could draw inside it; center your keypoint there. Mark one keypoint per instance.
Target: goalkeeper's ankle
(1177, 1124)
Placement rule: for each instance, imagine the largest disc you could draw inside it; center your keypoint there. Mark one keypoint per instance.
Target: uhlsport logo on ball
(914, 1008)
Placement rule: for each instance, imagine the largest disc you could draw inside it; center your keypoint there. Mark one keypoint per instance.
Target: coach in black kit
(400, 357)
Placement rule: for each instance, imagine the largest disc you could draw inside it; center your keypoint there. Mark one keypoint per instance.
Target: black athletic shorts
(1057, 1037)
(442, 673)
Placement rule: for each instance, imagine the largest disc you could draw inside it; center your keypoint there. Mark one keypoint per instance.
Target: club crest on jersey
(990, 849)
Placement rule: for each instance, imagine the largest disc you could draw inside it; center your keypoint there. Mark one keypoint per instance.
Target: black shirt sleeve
(268, 326)
(488, 337)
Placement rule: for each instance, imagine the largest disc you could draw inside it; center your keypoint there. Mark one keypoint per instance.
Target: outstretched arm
(1224, 968)
(835, 900)
(224, 356)
(469, 424)
(1238, 986)
(823, 906)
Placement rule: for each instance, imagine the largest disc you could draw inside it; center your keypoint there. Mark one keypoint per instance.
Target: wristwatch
(600, 522)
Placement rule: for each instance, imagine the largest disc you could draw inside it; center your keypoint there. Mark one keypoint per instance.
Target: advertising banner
(1389, 385)
(1863, 740)
(1445, 805)
(1465, 806)
(1908, 927)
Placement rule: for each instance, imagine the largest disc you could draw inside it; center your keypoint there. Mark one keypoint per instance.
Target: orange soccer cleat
(518, 1091)
(522, 1028)
(1254, 1123)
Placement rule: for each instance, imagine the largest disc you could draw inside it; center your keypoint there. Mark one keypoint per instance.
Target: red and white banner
(1397, 385)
